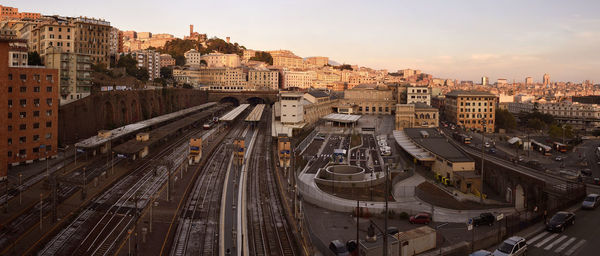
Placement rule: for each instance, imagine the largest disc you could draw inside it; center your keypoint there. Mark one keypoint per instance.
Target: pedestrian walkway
(555, 243)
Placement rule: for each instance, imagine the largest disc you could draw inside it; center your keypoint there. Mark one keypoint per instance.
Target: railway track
(269, 231)
(108, 218)
(198, 225)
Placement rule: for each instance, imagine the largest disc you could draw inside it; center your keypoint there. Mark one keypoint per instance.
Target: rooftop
(318, 94)
(437, 144)
(341, 118)
(457, 93)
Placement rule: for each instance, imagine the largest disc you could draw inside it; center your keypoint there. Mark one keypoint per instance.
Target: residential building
(485, 80)
(418, 94)
(248, 54)
(292, 62)
(166, 60)
(115, 42)
(417, 115)
(546, 80)
(502, 81)
(576, 114)
(528, 80)
(8, 13)
(28, 130)
(370, 99)
(471, 109)
(150, 60)
(220, 60)
(317, 61)
(75, 73)
(264, 78)
(192, 57)
(297, 79)
(221, 79)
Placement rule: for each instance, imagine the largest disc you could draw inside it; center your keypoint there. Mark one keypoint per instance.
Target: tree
(344, 66)
(505, 120)
(34, 59)
(142, 74)
(535, 124)
(166, 73)
(188, 86)
(179, 60)
(99, 67)
(203, 62)
(556, 131)
(264, 57)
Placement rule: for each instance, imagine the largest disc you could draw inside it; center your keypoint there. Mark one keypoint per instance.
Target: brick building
(30, 98)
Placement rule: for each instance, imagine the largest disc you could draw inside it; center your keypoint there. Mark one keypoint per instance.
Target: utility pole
(53, 187)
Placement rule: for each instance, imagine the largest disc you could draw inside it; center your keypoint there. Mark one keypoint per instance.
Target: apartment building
(150, 60)
(166, 60)
(292, 62)
(264, 78)
(418, 94)
(370, 99)
(9, 13)
(220, 60)
(192, 57)
(297, 79)
(317, 61)
(73, 34)
(30, 99)
(471, 109)
(416, 115)
(221, 79)
(576, 114)
(248, 54)
(115, 41)
(75, 73)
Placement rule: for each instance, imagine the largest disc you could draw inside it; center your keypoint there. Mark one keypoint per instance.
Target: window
(36, 89)
(36, 102)
(36, 150)
(9, 128)
(22, 114)
(9, 76)
(49, 101)
(23, 89)
(10, 153)
(9, 115)
(22, 127)
(49, 78)
(48, 124)
(49, 89)
(23, 77)
(36, 77)
(36, 137)
(48, 135)
(22, 139)
(49, 112)
(36, 113)
(22, 152)
(9, 141)
(10, 103)
(22, 102)
(36, 125)
(48, 148)
(10, 89)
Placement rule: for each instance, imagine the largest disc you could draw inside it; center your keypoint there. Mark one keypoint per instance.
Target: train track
(107, 219)
(269, 231)
(198, 225)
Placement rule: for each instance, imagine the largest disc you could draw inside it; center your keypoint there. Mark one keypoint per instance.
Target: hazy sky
(462, 39)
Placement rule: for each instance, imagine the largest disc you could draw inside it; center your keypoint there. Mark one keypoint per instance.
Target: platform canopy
(342, 118)
(411, 148)
(231, 115)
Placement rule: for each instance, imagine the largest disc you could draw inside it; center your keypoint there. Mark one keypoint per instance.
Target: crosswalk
(557, 243)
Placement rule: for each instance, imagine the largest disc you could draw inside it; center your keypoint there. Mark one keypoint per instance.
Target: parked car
(481, 253)
(591, 201)
(492, 151)
(586, 172)
(560, 220)
(558, 158)
(515, 245)
(338, 248)
(485, 218)
(351, 246)
(421, 218)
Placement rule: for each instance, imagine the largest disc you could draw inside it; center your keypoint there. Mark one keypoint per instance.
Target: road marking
(575, 247)
(537, 237)
(546, 240)
(555, 242)
(563, 246)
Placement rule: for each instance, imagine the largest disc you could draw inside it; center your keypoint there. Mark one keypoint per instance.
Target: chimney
(191, 30)
(228, 39)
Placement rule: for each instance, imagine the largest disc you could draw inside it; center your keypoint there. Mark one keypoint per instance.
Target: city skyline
(462, 41)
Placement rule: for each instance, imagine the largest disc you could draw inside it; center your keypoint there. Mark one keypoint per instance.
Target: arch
(256, 100)
(134, 111)
(232, 100)
(123, 113)
(108, 115)
(519, 197)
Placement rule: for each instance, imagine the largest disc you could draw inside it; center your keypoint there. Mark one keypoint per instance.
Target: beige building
(297, 79)
(418, 94)
(221, 79)
(192, 57)
(248, 54)
(166, 60)
(220, 60)
(292, 110)
(150, 60)
(264, 78)
(317, 61)
(471, 109)
(75, 71)
(293, 62)
(370, 99)
(416, 115)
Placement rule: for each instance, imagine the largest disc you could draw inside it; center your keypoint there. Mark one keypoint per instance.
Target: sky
(456, 39)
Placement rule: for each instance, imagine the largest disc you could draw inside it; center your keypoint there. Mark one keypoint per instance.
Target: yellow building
(370, 99)
(471, 109)
(317, 61)
(416, 115)
(75, 71)
(264, 78)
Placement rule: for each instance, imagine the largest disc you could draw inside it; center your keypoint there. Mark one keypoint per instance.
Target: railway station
(102, 142)
(256, 113)
(139, 146)
(233, 114)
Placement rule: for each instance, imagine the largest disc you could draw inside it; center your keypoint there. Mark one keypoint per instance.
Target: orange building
(7, 13)
(29, 129)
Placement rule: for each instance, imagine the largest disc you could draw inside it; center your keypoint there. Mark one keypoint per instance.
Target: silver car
(591, 201)
(515, 245)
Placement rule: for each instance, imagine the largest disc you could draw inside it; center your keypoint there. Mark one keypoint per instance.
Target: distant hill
(334, 63)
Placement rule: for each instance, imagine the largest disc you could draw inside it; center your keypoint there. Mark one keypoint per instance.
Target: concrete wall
(108, 110)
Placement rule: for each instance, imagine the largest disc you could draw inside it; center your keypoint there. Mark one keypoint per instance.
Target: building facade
(75, 73)
(166, 60)
(30, 127)
(264, 78)
(471, 109)
(288, 61)
(370, 99)
(416, 115)
(418, 94)
(192, 57)
(575, 114)
(150, 60)
(297, 79)
(9, 13)
(317, 61)
(220, 60)
(292, 111)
